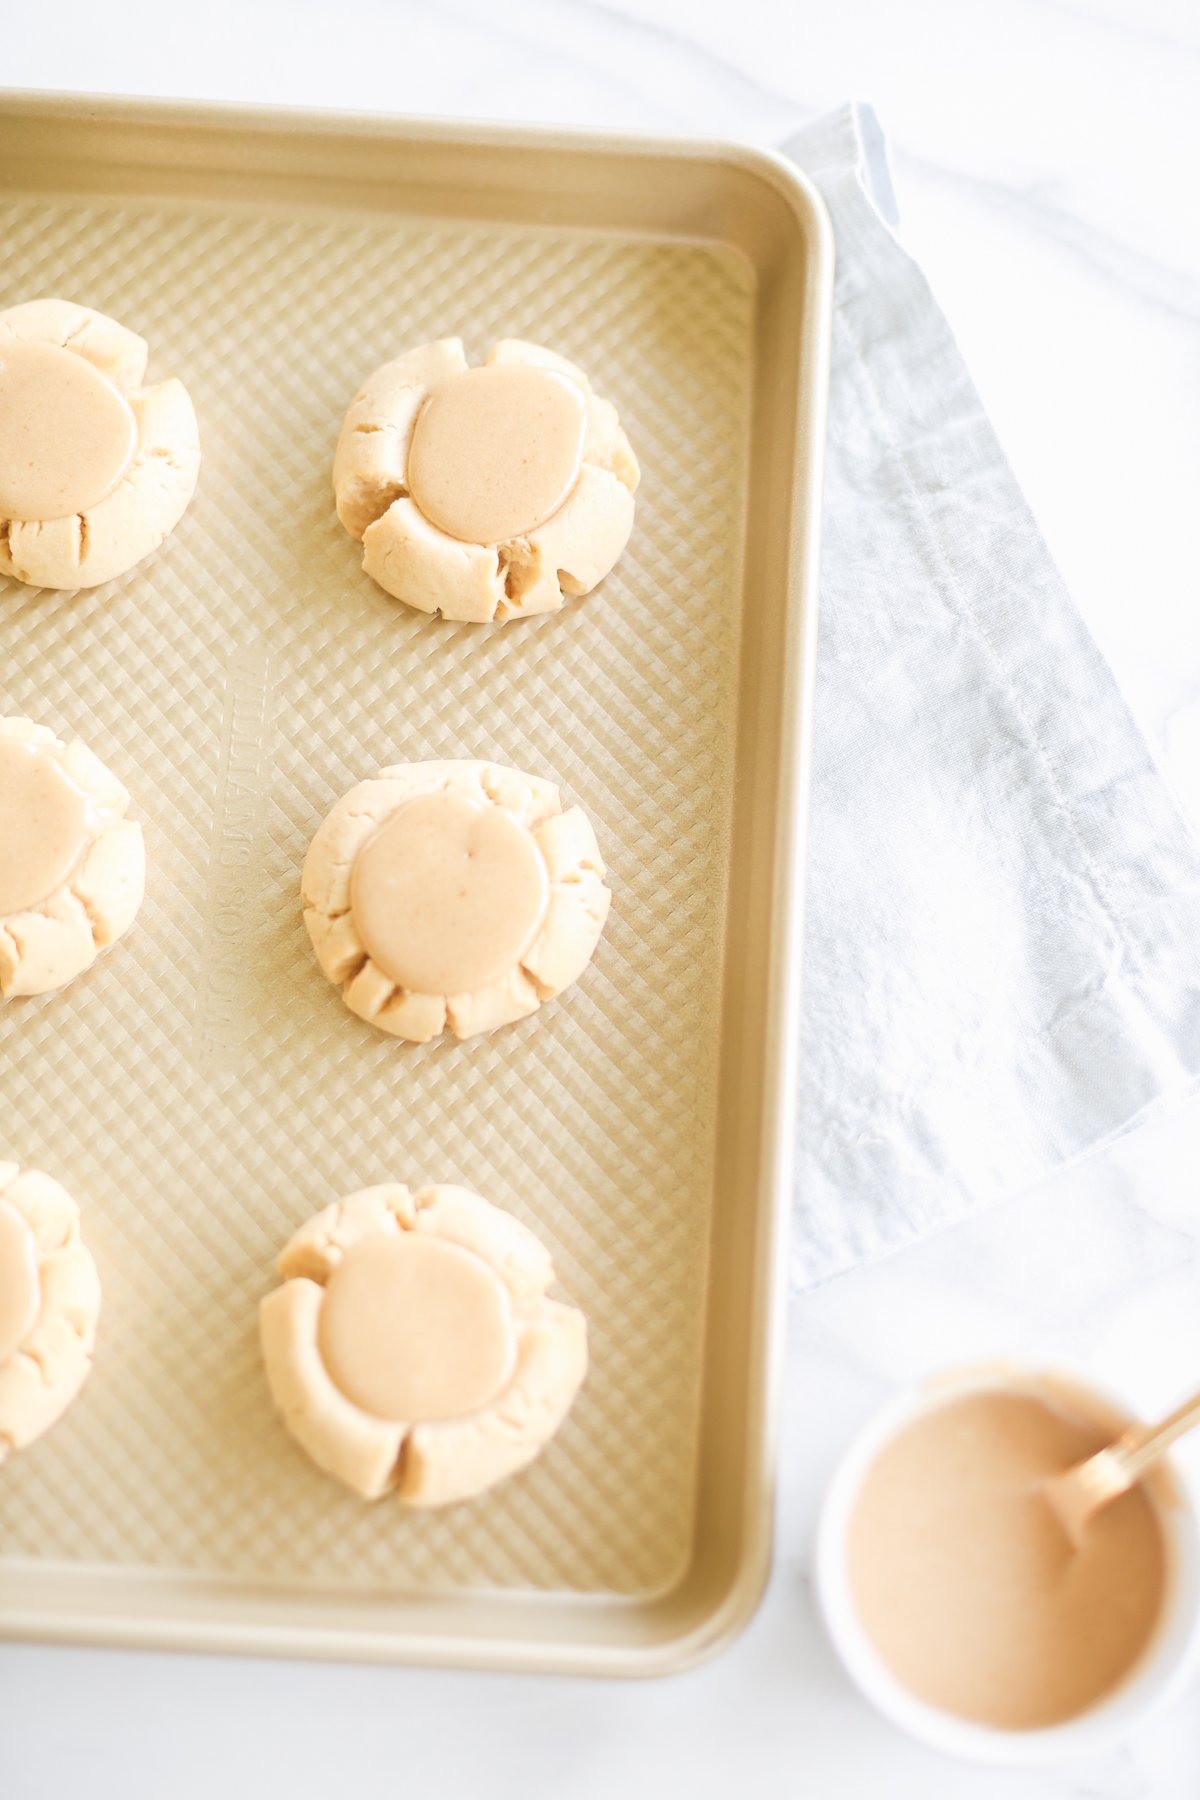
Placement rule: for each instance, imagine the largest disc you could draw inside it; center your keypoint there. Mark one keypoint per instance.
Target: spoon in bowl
(1079, 1492)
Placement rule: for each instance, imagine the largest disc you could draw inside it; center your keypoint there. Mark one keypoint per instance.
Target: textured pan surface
(202, 1090)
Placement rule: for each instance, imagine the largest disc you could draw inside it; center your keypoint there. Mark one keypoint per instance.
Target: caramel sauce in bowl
(959, 1614)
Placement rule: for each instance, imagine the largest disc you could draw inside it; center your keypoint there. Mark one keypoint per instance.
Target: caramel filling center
(66, 435)
(20, 1290)
(413, 1328)
(496, 451)
(447, 895)
(43, 824)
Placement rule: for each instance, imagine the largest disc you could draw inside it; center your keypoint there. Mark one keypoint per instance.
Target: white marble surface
(1046, 157)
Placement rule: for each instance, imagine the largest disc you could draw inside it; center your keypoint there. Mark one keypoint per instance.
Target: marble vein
(1034, 207)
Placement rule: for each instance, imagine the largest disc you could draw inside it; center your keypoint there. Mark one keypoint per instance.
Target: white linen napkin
(1003, 955)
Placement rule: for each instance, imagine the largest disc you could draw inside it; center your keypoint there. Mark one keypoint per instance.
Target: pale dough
(41, 1376)
(569, 927)
(83, 550)
(413, 559)
(438, 1461)
(48, 942)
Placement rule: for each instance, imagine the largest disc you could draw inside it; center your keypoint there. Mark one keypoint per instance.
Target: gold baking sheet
(202, 1090)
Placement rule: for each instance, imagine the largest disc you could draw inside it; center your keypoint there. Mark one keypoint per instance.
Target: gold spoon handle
(1143, 1444)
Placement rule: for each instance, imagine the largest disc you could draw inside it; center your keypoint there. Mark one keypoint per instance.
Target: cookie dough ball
(72, 866)
(49, 1305)
(412, 1349)
(486, 493)
(453, 895)
(95, 468)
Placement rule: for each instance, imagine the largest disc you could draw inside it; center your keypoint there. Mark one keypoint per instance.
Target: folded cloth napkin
(1003, 958)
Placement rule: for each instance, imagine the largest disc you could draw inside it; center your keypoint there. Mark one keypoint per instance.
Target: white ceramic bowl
(1157, 1675)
